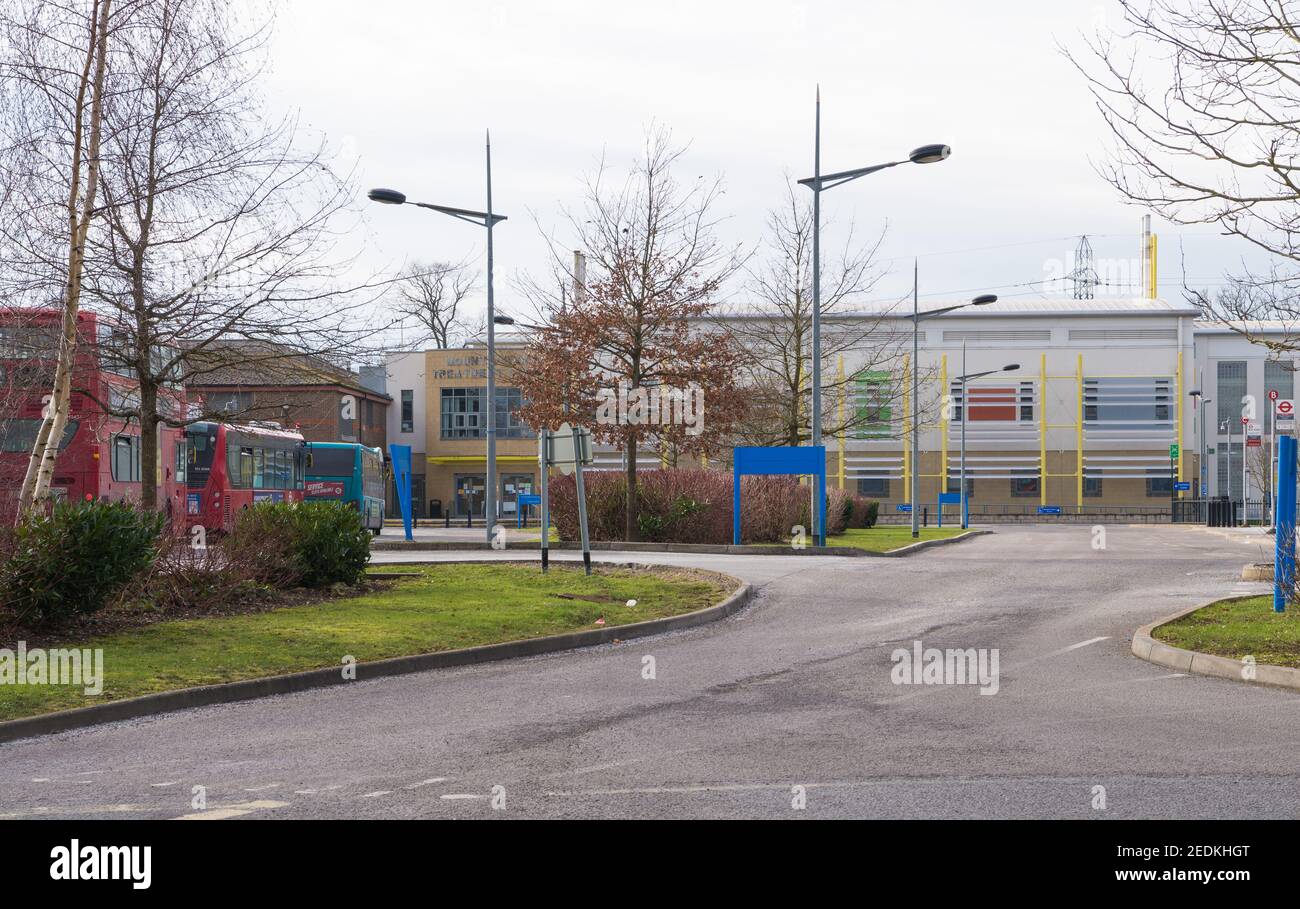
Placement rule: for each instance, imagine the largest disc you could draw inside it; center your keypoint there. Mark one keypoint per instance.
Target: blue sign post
(954, 498)
(804, 460)
(521, 505)
(401, 455)
(1284, 546)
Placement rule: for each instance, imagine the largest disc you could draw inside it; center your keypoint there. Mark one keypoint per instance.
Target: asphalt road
(793, 691)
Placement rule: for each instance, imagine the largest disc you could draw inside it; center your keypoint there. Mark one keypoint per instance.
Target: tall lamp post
(1202, 472)
(486, 219)
(818, 183)
(917, 318)
(965, 417)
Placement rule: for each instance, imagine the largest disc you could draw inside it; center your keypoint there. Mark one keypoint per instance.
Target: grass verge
(1237, 629)
(441, 607)
(883, 538)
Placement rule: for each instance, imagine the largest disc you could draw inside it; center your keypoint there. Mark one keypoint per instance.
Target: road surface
(793, 691)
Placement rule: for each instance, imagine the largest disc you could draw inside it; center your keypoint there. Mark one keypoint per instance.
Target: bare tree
(1201, 99)
(218, 243)
(774, 328)
(656, 271)
(431, 294)
(52, 74)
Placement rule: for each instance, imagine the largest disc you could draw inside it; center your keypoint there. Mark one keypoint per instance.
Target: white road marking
(161, 785)
(261, 788)
(377, 794)
(1078, 645)
(454, 796)
(428, 782)
(229, 811)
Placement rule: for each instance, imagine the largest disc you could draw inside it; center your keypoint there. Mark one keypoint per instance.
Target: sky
(404, 91)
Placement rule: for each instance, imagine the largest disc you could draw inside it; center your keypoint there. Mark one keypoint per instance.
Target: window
(1128, 404)
(1092, 487)
(1278, 377)
(182, 461)
(1024, 487)
(259, 470)
(872, 405)
(873, 486)
(464, 413)
(333, 462)
(230, 402)
(1160, 486)
(1231, 389)
(408, 410)
(19, 435)
(1026, 402)
(954, 485)
(125, 458)
(509, 426)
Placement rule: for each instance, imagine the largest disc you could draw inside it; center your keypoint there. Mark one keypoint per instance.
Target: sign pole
(582, 496)
(1245, 476)
(544, 465)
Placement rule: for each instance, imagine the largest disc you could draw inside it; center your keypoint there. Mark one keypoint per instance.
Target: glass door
(470, 490)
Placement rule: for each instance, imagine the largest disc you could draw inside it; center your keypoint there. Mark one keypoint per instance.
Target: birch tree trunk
(40, 469)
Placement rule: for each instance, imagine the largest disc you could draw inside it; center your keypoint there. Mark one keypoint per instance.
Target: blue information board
(804, 460)
(1049, 509)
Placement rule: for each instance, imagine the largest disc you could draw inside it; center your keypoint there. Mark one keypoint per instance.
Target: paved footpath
(795, 690)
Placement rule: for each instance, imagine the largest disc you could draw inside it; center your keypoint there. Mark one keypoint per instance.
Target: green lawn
(442, 607)
(1238, 629)
(883, 538)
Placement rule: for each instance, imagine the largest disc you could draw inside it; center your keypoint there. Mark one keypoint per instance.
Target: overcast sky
(408, 87)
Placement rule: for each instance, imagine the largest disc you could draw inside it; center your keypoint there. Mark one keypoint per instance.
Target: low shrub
(694, 506)
(76, 557)
(314, 544)
(862, 512)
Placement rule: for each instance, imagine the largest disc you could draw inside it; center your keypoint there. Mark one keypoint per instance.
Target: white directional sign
(1284, 415)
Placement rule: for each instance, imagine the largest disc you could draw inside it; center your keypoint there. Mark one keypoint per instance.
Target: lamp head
(928, 154)
(386, 196)
(984, 300)
(1011, 367)
(503, 320)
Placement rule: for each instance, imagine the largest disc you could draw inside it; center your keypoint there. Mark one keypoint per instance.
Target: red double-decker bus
(233, 466)
(99, 455)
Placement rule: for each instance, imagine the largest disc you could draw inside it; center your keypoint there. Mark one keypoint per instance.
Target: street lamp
(965, 418)
(1201, 469)
(819, 182)
(917, 316)
(486, 219)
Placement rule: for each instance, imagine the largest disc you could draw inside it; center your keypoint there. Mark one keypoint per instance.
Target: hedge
(694, 506)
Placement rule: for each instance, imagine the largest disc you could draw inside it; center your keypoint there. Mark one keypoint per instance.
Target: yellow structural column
(944, 392)
(1078, 434)
(907, 425)
(1042, 429)
(1179, 435)
(843, 429)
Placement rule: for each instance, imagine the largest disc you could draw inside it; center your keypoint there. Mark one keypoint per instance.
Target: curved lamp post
(488, 220)
(965, 418)
(818, 183)
(917, 317)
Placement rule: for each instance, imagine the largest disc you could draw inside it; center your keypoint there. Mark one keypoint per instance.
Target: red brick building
(328, 403)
